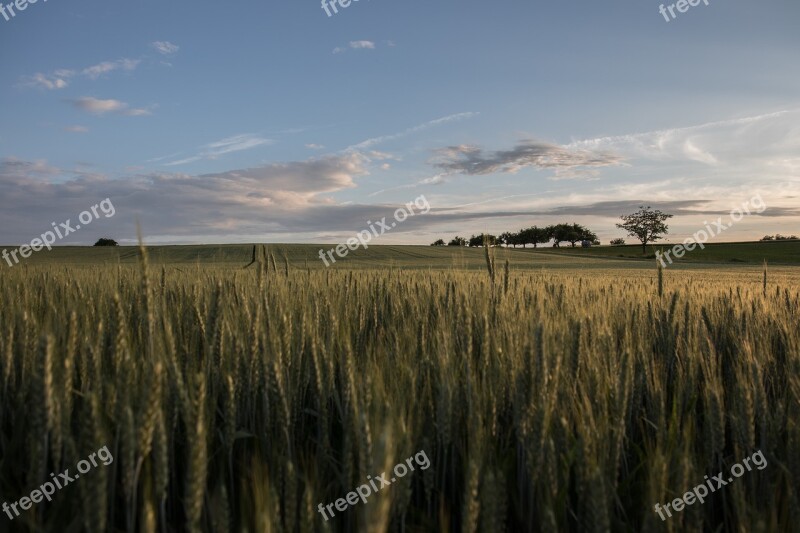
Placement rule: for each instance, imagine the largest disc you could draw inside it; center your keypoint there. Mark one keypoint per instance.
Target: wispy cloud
(438, 179)
(97, 106)
(51, 82)
(76, 129)
(213, 150)
(138, 112)
(363, 145)
(60, 79)
(703, 143)
(312, 146)
(95, 71)
(473, 161)
(165, 47)
(355, 45)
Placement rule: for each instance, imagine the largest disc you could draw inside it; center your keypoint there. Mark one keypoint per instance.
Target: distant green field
(427, 257)
(778, 253)
(753, 253)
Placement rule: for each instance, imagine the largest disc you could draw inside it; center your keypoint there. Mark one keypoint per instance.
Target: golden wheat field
(241, 400)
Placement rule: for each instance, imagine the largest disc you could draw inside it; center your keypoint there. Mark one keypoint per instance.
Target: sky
(254, 121)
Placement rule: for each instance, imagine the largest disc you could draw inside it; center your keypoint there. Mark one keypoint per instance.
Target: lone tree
(458, 241)
(106, 242)
(646, 224)
(439, 242)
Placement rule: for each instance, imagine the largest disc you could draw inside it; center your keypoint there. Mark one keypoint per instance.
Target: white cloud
(76, 129)
(165, 47)
(362, 44)
(355, 45)
(312, 146)
(97, 106)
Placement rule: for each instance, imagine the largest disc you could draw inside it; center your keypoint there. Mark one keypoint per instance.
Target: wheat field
(239, 399)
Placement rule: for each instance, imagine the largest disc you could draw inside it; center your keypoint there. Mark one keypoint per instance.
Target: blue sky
(272, 122)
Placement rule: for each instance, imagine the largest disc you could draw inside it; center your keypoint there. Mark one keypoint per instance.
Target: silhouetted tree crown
(646, 224)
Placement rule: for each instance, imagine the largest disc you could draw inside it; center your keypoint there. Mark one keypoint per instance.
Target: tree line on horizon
(572, 233)
(647, 225)
(779, 237)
